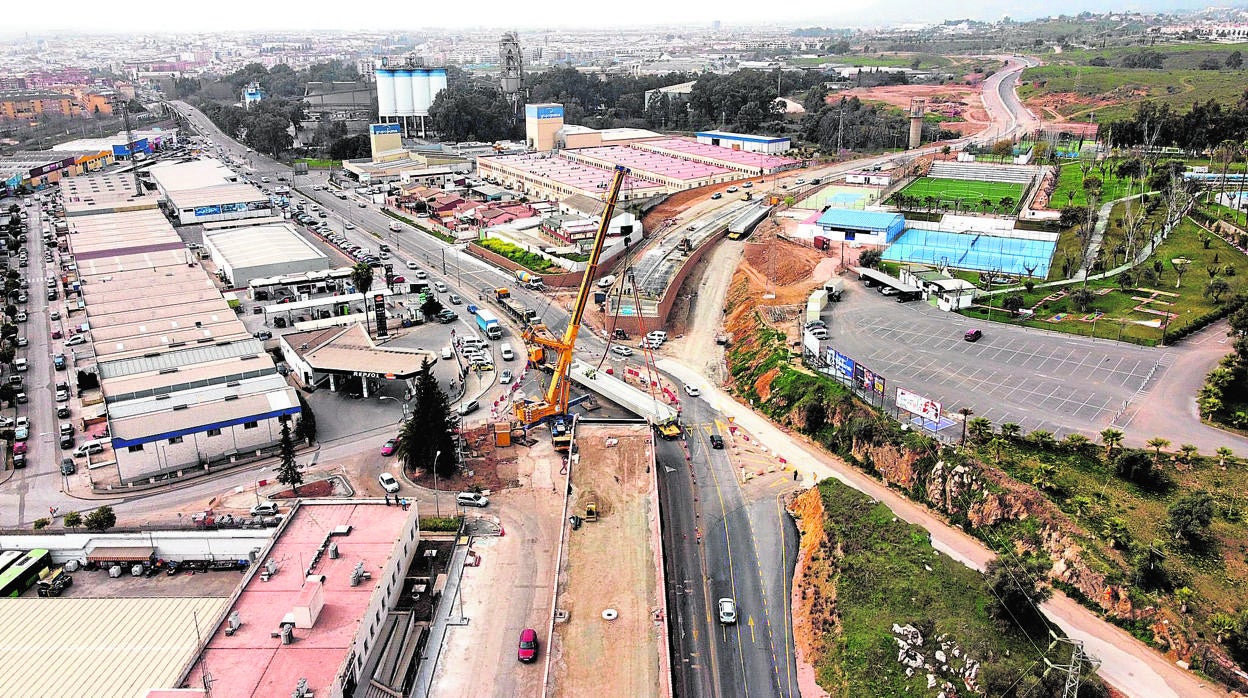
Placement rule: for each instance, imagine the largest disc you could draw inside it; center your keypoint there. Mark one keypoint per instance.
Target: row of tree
(1204, 125)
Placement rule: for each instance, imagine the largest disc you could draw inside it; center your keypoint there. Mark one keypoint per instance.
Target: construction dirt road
(610, 569)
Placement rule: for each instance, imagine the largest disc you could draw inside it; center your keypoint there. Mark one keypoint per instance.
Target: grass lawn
(1086, 488)
(969, 192)
(315, 164)
(1119, 319)
(889, 573)
(1070, 191)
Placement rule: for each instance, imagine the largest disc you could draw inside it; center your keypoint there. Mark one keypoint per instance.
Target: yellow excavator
(553, 407)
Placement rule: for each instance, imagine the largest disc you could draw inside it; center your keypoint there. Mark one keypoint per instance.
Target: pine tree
(430, 430)
(288, 470)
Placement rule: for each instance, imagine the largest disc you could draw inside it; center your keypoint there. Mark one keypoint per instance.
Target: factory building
(182, 383)
(262, 251)
(740, 141)
(205, 191)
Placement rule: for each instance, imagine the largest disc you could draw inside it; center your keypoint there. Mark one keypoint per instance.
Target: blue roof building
(871, 227)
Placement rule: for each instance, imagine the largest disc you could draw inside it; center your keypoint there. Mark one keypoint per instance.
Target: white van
(20, 364)
(506, 352)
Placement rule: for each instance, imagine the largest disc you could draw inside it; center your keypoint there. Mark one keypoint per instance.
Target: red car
(387, 449)
(528, 645)
(56, 334)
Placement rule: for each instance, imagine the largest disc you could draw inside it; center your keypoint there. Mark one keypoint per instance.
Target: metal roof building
(243, 254)
(871, 227)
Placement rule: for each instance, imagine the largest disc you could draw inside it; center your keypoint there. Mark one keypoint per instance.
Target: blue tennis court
(974, 251)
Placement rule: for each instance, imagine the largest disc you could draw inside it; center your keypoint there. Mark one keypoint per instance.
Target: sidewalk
(1129, 665)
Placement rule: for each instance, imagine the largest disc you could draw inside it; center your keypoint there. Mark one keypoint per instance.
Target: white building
(740, 141)
(262, 251)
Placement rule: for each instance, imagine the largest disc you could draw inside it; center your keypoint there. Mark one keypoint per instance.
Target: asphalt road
(721, 542)
(1057, 382)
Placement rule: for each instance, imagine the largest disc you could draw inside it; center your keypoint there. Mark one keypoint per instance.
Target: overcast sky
(244, 15)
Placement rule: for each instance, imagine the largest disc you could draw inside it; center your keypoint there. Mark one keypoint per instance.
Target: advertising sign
(860, 376)
(543, 112)
(913, 402)
(382, 129)
(207, 211)
(379, 308)
(844, 365)
(878, 385)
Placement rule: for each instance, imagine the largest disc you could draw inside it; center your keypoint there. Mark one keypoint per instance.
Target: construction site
(610, 617)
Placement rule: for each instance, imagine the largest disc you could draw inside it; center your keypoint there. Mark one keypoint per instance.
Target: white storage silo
(385, 93)
(437, 82)
(420, 92)
(403, 92)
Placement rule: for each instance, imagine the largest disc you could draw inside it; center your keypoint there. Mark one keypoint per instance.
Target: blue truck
(489, 324)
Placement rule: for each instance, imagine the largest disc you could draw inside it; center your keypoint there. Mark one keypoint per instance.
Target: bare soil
(484, 466)
(961, 101)
(610, 564)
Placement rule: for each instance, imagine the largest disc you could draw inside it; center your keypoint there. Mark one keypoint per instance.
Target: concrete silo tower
(917, 107)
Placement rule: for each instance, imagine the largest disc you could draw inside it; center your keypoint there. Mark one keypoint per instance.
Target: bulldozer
(591, 511)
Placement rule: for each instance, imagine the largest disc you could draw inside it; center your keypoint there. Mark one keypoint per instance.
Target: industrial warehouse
(205, 191)
(575, 160)
(183, 384)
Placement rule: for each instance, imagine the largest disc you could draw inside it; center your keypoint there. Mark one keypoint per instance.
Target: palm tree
(980, 428)
(1223, 625)
(362, 277)
(996, 445)
(1114, 531)
(1076, 442)
(1224, 454)
(985, 204)
(1157, 443)
(1006, 203)
(1187, 453)
(1011, 430)
(966, 413)
(1042, 439)
(1184, 596)
(929, 202)
(1112, 438)
(1044, 476)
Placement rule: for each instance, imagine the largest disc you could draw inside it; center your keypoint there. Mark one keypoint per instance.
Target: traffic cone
(501, 531)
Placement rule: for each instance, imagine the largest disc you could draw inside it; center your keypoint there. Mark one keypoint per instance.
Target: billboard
(207, 211)
(382, 129)
(843, 365)
(917, 404)
(544, 111)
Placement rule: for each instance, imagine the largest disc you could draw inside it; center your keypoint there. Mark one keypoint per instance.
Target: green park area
(962, 194)
(318, 164)
(1140, 304)
(519, 255)
(1073, 184)
(918, 61)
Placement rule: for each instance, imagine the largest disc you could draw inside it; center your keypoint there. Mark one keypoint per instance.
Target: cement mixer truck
(530, 280)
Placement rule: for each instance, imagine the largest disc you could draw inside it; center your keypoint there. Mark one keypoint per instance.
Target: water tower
(917, 107)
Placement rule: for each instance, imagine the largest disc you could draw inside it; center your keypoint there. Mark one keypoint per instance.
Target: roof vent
(180, 407)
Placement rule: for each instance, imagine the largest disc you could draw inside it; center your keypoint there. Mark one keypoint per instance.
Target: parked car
(621, 350)
(692, 390)
(388, 482)
(453, 299)
(973, 335)
(263, 334)
(717, 195)
(528, 646)
(469, 407)
(472, 499)
(63, 412)
(387, 449)
(68, 467)
(76, 340)
(264, 509)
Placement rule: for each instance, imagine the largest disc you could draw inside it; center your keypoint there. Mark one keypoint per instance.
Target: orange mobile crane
(553, 407)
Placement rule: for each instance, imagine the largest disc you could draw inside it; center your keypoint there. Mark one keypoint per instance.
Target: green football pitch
(969, 191)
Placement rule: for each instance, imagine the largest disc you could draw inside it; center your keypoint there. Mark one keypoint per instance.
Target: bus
(8, 557)
(23, 573)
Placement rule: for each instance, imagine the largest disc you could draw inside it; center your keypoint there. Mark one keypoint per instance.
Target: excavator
(552, 408)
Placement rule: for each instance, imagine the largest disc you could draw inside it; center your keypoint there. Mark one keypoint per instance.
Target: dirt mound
(783, 262)
(670, 208)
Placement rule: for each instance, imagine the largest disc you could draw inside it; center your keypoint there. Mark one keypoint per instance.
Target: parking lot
(1037, 379)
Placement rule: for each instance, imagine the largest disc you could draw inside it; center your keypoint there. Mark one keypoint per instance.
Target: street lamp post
(437, 505)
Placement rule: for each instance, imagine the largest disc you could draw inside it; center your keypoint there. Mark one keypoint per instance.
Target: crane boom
(556, 397)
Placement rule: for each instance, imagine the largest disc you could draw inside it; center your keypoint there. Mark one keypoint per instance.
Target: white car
(621, 350)
(411, 265)
(349, 225)
(727, 611)
(388, 482)
(447, 353)
(657, 335)
(692, 390)
(505, 377)
(76, 340)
